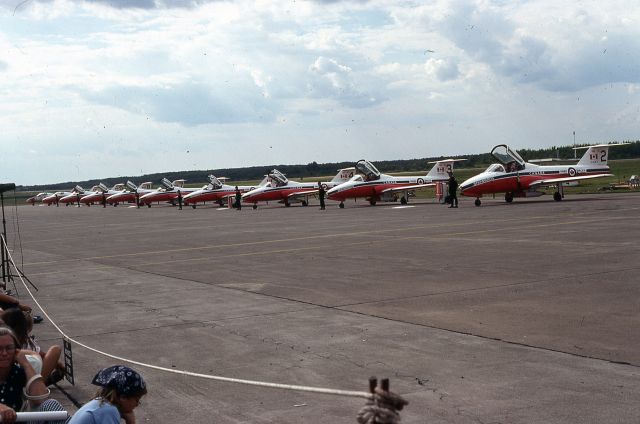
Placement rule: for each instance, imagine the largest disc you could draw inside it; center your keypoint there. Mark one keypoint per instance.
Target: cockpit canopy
(508, 157)
(277, 178)
(215, 183)
(495, 167)
(166, 184)
(367, 170)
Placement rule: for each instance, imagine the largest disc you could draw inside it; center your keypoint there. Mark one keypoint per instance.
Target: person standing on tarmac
(321, 192)
(238, 199)
(453, 190)
(179, 200)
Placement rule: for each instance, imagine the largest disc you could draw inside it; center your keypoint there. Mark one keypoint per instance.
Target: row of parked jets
(511, 175)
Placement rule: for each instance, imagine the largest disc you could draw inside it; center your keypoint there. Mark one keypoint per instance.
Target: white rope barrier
(23, 417)
(320, 390)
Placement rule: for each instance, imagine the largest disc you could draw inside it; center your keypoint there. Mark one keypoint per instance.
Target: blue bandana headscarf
(125, 380)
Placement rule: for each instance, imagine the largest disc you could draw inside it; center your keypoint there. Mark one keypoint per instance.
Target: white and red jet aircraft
(76, 194)
(38, 198)
(55, 197)
(517, 178)
(280, 189)
(169, 193)
(100, 196)
(217, 191)
(375, 186)
(130, 196)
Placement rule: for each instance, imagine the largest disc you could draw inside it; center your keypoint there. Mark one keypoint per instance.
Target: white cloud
(442, 69)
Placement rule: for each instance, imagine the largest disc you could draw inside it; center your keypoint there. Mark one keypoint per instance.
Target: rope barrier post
(5, 254)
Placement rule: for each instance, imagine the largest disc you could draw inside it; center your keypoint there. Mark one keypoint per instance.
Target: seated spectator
(19, 382)
(120, 393)
(7, 302)
(52, 369)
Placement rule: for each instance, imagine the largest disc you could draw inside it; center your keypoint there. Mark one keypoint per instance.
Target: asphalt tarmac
(506, 313)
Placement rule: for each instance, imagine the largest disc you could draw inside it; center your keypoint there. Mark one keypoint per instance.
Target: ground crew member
(104, 200)
(179, 200)
(238, 199)
(321, 192)
(453, 190)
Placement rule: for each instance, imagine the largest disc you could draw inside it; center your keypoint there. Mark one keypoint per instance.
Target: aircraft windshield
(508, 157)
(277, 178)
(367, 169)
(496, 167)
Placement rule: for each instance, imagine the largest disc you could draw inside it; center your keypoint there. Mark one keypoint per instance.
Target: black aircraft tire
(508, 197)
(477, 202)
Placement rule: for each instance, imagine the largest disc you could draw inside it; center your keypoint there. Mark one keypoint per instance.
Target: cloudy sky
(102, 88)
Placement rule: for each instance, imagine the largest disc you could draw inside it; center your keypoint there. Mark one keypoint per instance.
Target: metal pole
(575, 152)
(5, 270)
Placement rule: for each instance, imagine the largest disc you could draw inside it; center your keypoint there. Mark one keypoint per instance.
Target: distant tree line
(314, 169)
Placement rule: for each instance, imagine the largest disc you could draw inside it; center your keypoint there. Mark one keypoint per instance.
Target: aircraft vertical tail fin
(103, 187)
(596, 155)
(441, 169)
(344, 174)
(132, 186)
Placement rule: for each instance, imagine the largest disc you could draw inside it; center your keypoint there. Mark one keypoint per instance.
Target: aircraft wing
(405, 188)
(553, 181)
(299, 194)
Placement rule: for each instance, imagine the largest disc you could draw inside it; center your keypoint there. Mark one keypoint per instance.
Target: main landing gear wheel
(557, 196)
(477, 202)
(287, 204)
(372, 202)
(341, 205)
(193, 206)
(508, 197)
(305, 203)
(148, 205)
(255, 206)
(403, 200)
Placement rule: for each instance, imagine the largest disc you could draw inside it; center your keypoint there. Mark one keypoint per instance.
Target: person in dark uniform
(238, 199)
(179, 200)
(453, 190)
(104, 200)
(321, 193)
